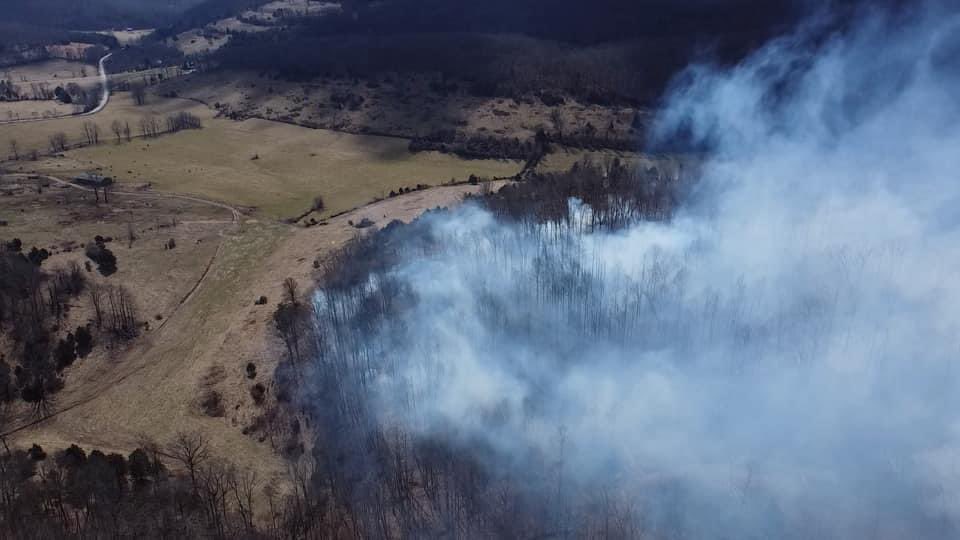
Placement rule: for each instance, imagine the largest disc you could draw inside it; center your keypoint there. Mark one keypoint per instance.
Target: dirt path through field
(104, 98)
(152, 389)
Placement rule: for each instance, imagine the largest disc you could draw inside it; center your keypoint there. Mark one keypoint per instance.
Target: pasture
(279, 168)
(36, 135)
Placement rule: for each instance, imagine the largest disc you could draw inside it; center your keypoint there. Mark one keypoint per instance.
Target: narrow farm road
(104, 84)
(104, 98)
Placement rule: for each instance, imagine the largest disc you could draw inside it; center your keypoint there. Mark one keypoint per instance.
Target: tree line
(91, 134)
(373, 479)
(615, 52)
(356, 476)
(75, 494)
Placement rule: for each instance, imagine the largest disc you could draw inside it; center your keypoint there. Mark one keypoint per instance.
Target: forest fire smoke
(779, 359)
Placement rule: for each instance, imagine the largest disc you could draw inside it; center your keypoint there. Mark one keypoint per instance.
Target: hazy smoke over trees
(779, 360)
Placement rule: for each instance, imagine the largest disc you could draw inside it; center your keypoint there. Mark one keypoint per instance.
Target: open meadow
(36, 135)
(52, 71)
(35, 109)
(128, 37)
(274, 167)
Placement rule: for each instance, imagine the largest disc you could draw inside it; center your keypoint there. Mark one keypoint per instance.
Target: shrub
(84, 340)
(36, 453)
(212, 404)
(258, 392)
(100, 254)
(66, 352)
(37, 256)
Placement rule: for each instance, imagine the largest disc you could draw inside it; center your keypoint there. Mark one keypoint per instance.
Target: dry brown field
(273, 167)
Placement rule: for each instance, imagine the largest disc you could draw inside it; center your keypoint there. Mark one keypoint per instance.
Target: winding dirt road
(104, 98)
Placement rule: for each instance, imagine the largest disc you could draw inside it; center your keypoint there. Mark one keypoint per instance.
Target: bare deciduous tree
(58, 142)
(122, 314)
(191, 450)
(14, 149)
(291, 291)
(91, 132)
(117, 128)
(149, 126)
(556, 117)
(139, 93)
(95, 292)
(243, 484)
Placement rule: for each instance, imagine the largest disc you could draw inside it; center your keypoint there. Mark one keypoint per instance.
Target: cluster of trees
(121, 130)
(114, 310)
(617, 194)
(89, 98)
(475, 146)
(72, 93)
(149, 126)
(32, 304)
(361, 477)
(146, 54)
(75, 494)
(98, 252)
(486, 65)
(153, 126)
(373, 479)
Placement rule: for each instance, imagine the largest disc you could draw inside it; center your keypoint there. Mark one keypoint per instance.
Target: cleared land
(127, 37)
(49, 74)
(268, 16)
(198, 41)
(152, 389)
(50, 71)
(36, 135)
(275, 167)
(18, 110)
(63, 219)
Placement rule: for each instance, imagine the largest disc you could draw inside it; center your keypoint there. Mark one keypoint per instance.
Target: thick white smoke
(781, 359)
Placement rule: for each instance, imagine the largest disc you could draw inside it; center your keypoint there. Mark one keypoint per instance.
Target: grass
(54, 71)
(16, 110)
(279, 168)
(36, 135)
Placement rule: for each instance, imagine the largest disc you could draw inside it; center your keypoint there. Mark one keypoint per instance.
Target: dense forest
(573, 21)
(376, 476)
(93, 14)
(614, 51)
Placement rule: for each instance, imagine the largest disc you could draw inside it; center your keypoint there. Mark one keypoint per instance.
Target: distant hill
(93, 14)
(581, 21)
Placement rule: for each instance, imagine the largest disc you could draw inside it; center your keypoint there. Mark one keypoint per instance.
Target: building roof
(92, 178)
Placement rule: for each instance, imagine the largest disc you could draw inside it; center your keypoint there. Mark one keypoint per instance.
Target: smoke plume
(778, 360)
